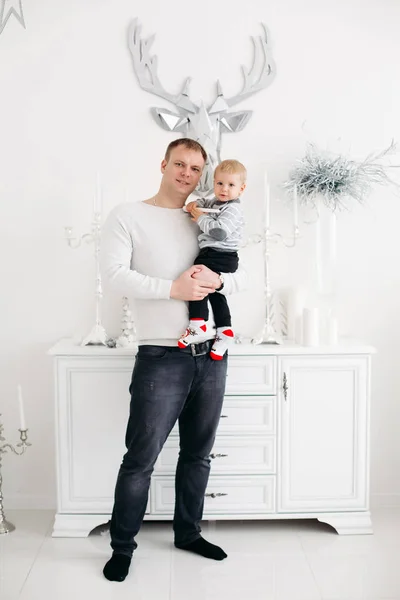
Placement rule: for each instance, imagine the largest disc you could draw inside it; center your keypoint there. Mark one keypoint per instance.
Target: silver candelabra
(268, 333)
(97, 335)
(5, 526)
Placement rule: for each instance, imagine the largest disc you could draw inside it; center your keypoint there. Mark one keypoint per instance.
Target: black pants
(218, 261)
(169, 383)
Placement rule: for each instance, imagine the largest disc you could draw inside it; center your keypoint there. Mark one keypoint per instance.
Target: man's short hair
(187, 143)
(233, 167)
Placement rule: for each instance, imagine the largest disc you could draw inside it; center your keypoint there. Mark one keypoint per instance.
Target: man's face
(182, 172)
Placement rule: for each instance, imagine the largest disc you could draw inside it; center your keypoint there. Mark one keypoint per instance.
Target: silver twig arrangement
(327, 183)
(334, 179)
(97, 335)
(5, 526)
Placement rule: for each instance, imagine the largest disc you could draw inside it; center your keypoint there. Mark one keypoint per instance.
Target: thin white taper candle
(267, 201)
(97, 200)
(21, 408)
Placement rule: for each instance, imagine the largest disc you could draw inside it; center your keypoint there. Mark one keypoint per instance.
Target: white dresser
(293, 440)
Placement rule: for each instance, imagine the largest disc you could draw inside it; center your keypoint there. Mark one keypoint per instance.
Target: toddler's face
(228, 186)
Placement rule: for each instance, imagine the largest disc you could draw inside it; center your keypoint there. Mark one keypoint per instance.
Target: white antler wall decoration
(198, 122)
(9, 8)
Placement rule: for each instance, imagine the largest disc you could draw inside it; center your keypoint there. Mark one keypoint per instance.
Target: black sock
(117, 567)
(204, 548)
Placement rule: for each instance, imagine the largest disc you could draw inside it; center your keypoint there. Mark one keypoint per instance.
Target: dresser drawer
(251, 375)
(246, 415)
(240, 455)
(224, 495)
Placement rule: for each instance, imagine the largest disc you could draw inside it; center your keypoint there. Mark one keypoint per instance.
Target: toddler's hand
(196, 212)
(191, 206)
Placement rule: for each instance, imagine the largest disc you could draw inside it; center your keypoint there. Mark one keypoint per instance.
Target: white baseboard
(49, 503)
(29, 502)
(385, 500)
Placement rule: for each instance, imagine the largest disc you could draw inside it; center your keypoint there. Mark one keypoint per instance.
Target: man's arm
(116, 272)
(233, 282)
(115, 261)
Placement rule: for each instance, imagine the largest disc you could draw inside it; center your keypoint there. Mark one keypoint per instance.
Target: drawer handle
(223, 416)
(285, 387)
(215, 495)
(218, 455)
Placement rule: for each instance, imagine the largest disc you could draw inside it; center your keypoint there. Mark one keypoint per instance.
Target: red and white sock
(195, 333)
(225, 336)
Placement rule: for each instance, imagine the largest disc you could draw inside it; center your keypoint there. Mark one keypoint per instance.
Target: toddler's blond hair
(234, 167)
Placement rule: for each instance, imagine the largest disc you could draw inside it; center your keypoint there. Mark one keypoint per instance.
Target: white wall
(70, 104)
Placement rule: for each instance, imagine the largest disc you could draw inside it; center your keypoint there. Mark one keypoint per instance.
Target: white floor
(301, 560)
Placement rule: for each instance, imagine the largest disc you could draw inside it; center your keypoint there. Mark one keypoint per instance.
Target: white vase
(325, 249)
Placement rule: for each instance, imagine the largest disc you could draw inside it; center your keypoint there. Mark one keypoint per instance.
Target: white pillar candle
(332, 331)
(295, 207)
(298, 327)
(267, 201)
(296, 299)
(21, 408)
(311, 327)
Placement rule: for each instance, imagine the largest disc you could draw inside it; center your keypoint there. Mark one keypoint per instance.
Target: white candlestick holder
(97, 335)
(268, 333)
(6, 526)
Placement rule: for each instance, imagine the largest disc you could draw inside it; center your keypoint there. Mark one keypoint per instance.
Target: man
(147, 251)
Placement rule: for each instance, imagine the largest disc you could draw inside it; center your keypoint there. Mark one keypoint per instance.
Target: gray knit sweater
(223, 230)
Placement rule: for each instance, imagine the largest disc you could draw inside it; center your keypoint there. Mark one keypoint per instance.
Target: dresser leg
(79, 525)
(351, 523)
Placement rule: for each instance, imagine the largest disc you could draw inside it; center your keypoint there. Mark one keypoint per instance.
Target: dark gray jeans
(168, 383)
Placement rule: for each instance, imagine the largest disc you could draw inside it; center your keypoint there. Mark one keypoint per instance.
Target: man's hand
(189, 287)
(205, 274)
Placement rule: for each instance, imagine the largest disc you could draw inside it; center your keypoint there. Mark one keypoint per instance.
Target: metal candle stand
(97, 335)
(268, 335)
(6, 526)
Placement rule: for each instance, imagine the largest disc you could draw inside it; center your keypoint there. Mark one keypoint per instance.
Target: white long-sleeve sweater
(144, 248)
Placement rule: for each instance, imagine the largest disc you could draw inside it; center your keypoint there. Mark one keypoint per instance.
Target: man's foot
(195, 333)
(223, 339)
(117, 567)
(204, 548)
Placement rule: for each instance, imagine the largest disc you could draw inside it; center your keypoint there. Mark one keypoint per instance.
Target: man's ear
(163, 165)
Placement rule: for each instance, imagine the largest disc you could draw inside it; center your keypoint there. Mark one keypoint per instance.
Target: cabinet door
(92, 412)
(323, 433)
